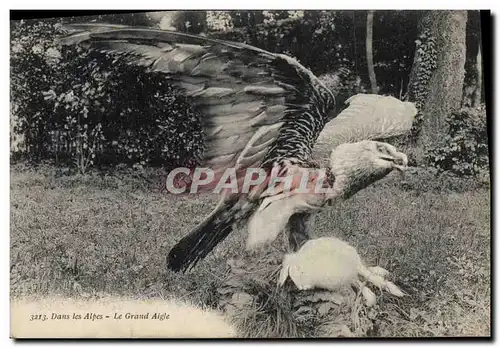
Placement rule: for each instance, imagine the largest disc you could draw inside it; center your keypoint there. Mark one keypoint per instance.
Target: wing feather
(368, 117)
(250, 99)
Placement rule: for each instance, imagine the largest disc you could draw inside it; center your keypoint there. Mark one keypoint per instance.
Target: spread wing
(258, 107)
(368, 117)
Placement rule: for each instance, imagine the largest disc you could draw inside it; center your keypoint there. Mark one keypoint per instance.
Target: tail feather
(205, 237)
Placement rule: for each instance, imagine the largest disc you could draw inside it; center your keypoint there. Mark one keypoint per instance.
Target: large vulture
(260, 110)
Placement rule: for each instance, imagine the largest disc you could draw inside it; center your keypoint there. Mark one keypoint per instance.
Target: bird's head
(357, 165)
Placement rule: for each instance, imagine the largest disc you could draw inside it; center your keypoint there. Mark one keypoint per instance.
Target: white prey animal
(331, 264)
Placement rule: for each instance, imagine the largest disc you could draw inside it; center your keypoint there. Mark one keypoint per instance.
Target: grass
(101, 234)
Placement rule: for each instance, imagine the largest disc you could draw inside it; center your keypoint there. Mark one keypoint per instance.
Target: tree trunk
(437, 76)
(479, 78)
(369, 51)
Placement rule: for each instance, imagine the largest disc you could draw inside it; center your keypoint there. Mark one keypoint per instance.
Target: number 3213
(41, 317)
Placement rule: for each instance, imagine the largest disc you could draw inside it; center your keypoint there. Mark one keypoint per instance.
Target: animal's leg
(379, 281)
(369, 296)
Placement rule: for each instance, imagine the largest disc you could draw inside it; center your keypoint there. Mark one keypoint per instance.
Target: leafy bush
(464, 150)
(31, 72)
(84, 108)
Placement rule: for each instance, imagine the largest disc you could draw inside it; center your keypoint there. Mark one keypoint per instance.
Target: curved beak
(400, 161)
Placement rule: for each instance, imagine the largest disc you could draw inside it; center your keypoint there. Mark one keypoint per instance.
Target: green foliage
(87, 109)
(245, 19)
(312, 38)
(84, 108)
(320, 40)
(193, 22)
(426, 64)
(426, 59)
(464, 150)
(31, 72)
(333, 42)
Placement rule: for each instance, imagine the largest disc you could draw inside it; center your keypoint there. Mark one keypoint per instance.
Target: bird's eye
(382, 148)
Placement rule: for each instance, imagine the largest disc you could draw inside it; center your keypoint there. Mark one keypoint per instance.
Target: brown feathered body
(260, 110)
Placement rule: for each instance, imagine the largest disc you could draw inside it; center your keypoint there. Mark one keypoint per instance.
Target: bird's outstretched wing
(367, 117)
(258, 107)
